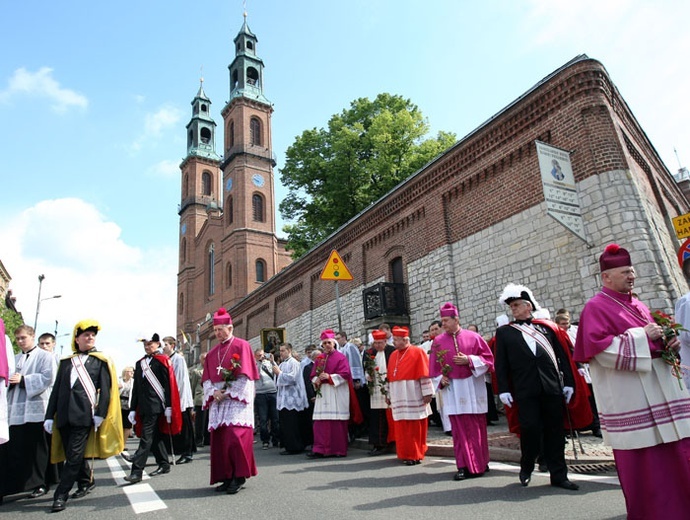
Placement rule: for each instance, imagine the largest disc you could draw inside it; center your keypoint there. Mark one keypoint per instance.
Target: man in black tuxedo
(151, 398)
(533, 373)
(84, 408)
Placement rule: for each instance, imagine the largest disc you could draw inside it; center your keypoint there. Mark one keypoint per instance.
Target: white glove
(506, 398)
(168, 414)
(97, 420)
(48, 425)
(132, 417)
(581, 371)
(568, 393)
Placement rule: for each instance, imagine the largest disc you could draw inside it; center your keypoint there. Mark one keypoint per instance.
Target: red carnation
(235, 356)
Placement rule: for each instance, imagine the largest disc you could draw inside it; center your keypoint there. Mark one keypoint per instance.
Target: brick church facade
(459, 230)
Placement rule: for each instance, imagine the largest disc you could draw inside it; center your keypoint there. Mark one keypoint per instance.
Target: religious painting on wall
(271, 340)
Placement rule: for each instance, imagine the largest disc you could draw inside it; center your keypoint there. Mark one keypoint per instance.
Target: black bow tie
(524, 322)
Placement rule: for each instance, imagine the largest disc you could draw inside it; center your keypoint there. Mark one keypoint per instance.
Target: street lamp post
(39, 300)
(41, 277)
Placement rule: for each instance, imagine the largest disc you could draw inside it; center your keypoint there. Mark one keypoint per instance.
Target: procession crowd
(616, 374)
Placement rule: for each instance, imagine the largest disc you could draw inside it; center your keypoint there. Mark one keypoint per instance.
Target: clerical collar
(624, 297)
(29, 351)
(526, 321)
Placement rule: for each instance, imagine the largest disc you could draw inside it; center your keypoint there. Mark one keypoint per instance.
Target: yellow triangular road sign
(335, 269)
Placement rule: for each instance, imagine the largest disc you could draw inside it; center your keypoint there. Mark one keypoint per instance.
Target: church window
(211, 273)
(228, 275)
(205, 135)
(228, 210)
(180, 304)
(183, 250)
(185, 185)
(255, 131)
(231, 134)
(258, 214)
(260, 271)
(252, 77)
(206, 183)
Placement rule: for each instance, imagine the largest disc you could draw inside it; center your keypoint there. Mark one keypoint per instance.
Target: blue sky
(94, 98)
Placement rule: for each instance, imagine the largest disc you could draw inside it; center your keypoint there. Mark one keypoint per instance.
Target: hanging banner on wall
(560, 192)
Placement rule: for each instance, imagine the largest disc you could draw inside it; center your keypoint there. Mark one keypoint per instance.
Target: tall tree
(12, 320)
(333, 174)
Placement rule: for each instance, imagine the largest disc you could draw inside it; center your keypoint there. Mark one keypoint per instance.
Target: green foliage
(333, 174)
(12, 321)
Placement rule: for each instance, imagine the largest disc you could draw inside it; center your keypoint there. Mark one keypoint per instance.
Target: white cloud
(42, 84)
(166, 168)
(84, 259)
(155, 124)
(640, 43)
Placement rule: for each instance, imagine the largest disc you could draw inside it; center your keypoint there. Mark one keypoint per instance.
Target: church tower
(201, 194)
(228, 242)
(251, 250)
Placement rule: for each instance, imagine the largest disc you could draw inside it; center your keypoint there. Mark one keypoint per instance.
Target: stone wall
(475, 219)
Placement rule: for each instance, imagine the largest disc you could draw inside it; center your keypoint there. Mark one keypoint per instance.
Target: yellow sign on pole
(335, 269)
(682, 225)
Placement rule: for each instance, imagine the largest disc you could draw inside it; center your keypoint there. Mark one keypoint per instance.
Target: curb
(496, 453)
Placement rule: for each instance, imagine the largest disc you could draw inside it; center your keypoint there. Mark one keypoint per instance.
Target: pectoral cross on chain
(219, 368)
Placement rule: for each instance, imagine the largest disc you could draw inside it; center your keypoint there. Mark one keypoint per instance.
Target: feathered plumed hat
(81, 327)
(514, 292)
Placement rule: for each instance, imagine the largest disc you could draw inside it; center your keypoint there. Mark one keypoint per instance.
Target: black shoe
(235, 485)
(133, 479)
(376, 451)
(126, 456)
(161, 470)
(83, 491)
(38, 492)
(525, 478)
(597, 433)
(59, 504)
(184, 459)
(410, 462)
(543, 468)
(314, 455)
(566, 484)
(461, 474)
(223, 487)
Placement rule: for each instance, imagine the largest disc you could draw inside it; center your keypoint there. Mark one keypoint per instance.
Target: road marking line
(599, 479)
(142, 497)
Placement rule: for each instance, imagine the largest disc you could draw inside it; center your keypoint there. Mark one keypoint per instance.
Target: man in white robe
(26, 453)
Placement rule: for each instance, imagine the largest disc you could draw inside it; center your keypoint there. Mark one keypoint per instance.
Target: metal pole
(337, 304)
(41, 277)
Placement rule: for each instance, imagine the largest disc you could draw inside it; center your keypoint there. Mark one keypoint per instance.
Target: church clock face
(258, 180)
(183, 229)
(228, 185)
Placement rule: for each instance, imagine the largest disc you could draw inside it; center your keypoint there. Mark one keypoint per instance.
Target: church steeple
(201, 129)
(247, 69)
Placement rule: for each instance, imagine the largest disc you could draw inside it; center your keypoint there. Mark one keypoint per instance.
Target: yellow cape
(109, 439)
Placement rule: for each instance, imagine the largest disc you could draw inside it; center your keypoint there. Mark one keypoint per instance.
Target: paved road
(293, 487)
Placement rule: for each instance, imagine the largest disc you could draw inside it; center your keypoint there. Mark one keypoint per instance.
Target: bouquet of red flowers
(229, 374)
(320, 366)
(671, 329)
(441, 359)
(369, 362)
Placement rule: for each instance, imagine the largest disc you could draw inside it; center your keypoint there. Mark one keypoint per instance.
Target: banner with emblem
(560, 191)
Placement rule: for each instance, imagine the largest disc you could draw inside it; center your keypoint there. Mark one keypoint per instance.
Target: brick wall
(475, 219)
